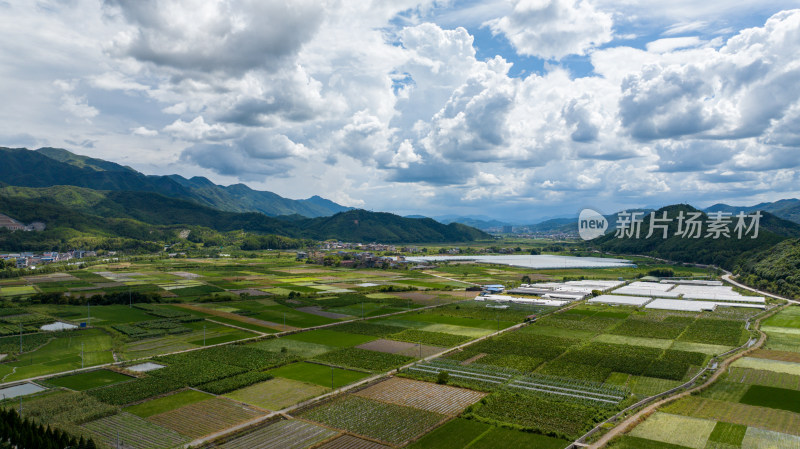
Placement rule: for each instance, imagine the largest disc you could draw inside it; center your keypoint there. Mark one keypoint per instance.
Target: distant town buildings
(29, 259)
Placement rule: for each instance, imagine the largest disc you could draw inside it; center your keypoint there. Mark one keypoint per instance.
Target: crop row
(594, 324)
(544, 415)
(650, 327)
(386, 422)
(236, 382)
(132, 431)
(715, 331)
(193, 369)
(204, 417)
(519, 343)
(291, 434)
(366, 328)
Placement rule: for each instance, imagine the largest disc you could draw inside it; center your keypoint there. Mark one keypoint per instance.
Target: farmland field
(769, 365)
(772, 397)
(422, 395)
(167, 403)
(133, 431)
(761, 438)
(284, 434)
(770, 419)
(276, 394)
(204, 417)
(675, 429)
(351, 442)
(331, 338)
(89, 380)
(61, 354)
(318, 374)
(508, 438)
(363, 359)
(728, 434)
(455, 434)
(386, 422)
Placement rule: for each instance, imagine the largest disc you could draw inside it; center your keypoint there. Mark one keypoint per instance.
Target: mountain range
(48, 167)
(92, 203)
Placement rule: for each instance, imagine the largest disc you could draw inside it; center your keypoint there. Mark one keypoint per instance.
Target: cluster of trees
(100, 300)
(16, 432)
(776, 270)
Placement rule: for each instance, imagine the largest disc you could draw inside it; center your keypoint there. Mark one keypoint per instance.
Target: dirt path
(631, 422)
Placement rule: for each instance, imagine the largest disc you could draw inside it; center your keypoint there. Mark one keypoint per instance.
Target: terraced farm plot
(89, 380)
(422, 395)
(675, 429)
(276, 394)
(401, 347)
(133, 432)
(351, 442)
(385, 422)
(204, 417)
(286, 434)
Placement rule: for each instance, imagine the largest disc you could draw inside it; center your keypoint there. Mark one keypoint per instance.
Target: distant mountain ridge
(48, 167)
(77, 214)
(788, 209)
(729, 253)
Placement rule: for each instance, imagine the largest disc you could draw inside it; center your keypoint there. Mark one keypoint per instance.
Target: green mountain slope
(71, 212)
(47, 167)
(776, 270)
(725, 252)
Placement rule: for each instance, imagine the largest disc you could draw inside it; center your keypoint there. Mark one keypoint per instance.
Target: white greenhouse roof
(621, 300)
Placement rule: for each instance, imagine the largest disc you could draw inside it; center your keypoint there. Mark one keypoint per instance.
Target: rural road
(728, 278)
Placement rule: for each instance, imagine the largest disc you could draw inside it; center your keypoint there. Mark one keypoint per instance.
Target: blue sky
(514, 109)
